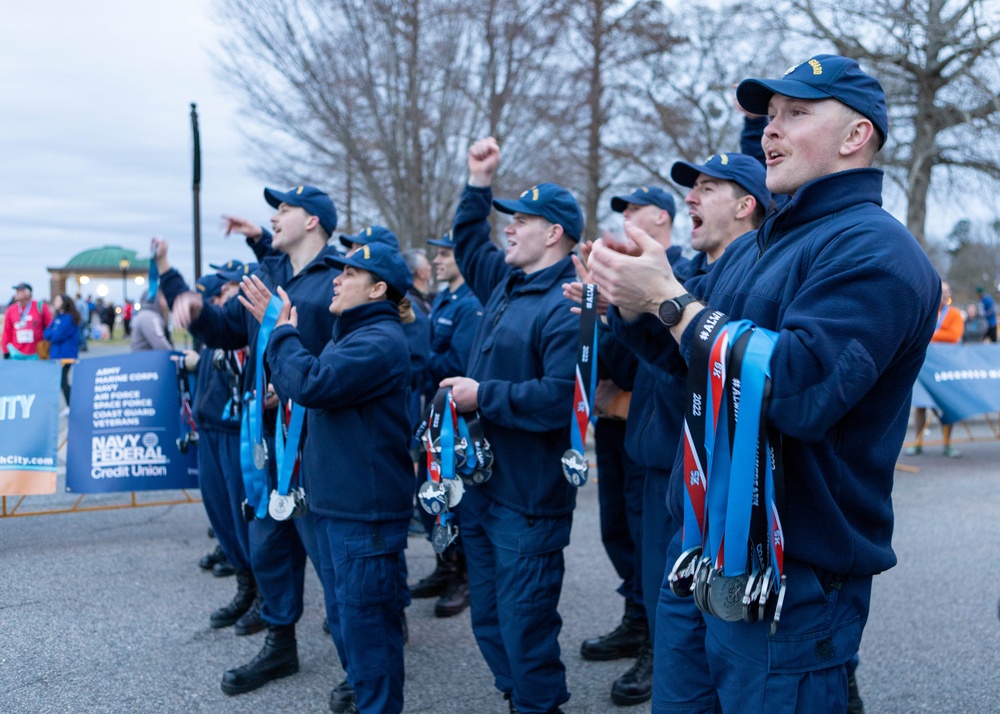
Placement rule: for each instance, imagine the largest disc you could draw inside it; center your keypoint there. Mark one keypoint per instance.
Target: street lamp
(123, 264)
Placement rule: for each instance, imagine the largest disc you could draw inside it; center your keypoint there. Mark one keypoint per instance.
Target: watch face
(668, 312)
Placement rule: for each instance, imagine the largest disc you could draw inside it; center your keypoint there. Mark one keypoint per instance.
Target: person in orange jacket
(950, 327)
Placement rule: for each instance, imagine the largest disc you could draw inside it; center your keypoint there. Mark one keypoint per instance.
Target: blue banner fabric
(960, 380)
(124, 426)
(29, 427)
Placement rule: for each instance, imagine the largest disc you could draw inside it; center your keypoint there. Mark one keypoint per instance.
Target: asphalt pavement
(106, 611)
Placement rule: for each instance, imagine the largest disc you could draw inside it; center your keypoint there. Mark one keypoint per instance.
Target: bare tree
(678, 102)
(938, 62)
(379, 99)
(974, 249)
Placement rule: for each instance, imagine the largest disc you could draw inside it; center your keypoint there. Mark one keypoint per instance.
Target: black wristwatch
(670, 311)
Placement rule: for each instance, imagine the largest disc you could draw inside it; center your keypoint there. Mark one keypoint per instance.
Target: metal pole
(196, 188)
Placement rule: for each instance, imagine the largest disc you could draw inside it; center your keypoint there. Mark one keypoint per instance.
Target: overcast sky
(96, 142)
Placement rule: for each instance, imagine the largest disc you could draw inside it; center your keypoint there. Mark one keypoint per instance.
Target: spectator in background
(127, 318)
(422, 292)
(975, 325)
(83, 308)
(23, 324)
(950, 327)
(108, 318)
(64, 339)
(150, 331)
(989, 312)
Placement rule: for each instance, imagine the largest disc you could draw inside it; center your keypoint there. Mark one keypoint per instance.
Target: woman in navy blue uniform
(356, 465)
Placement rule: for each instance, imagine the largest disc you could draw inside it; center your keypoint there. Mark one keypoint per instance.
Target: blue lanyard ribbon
(285, 453)
(586, 369)
(252, 424)
(154, 279)
(743, 483)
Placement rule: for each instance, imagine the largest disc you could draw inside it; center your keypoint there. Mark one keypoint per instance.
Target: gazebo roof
(107, 258)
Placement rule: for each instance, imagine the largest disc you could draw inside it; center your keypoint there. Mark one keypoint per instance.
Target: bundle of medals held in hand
(733, 546)
(458, 454)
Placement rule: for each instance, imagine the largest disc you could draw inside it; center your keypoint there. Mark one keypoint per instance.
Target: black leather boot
(342, 698)
(854, 703)
(279, 657)
(626, 640)
(636, 685)
(246, 590)
(208, 562)
(251, 622)
(223, 569)
(456, 593)
(435, 584)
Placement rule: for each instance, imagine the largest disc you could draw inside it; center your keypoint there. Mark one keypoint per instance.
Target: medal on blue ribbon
(253, 449)
(574, 463)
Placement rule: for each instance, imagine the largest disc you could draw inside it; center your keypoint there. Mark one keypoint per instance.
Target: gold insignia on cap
(366, 251)
(368, 231)
(817, 67)
(645, 190)
(723, 159)
(299, 191)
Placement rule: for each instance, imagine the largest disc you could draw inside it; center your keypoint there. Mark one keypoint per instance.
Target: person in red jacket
(950, 327)
(23, 324)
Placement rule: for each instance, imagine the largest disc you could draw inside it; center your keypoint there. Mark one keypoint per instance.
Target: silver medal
(260, 454)
(681, 578)
(700, 588)
(777, 607)
(766, 598)
(454, 489)
(726, 596)
(441, 537)
(280, 508)
(301, 507)
(575, 467)
(432, 497)
(750, 595)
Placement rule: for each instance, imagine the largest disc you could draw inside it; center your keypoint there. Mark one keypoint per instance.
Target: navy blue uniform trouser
(658, 528)
(703, 665)
(221, 484)
(619, 491)
(278, 551)
(516, 571)
(359, 564)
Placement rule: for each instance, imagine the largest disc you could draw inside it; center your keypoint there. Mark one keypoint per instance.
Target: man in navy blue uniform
(520, 376)
(632, 485)
(291, 256)
(216, 411)
(454, 318)
(840, 391)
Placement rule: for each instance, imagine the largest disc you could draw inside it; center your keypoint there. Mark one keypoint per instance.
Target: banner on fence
(960, 381)
(29, 427)
(125, 421)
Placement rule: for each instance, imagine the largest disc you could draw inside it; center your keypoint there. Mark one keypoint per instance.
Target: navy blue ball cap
(209, 286)
(369, 235)
(822, 77)
(24, 286)
(646, 196)
(381, 260)
(744, 170)
(234, 270)
(550, 201)
(446, 241)
(311, 199)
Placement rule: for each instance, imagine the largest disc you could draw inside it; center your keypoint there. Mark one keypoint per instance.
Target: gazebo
(111, 261)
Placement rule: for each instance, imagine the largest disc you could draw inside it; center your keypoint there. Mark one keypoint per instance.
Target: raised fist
(484, 157)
